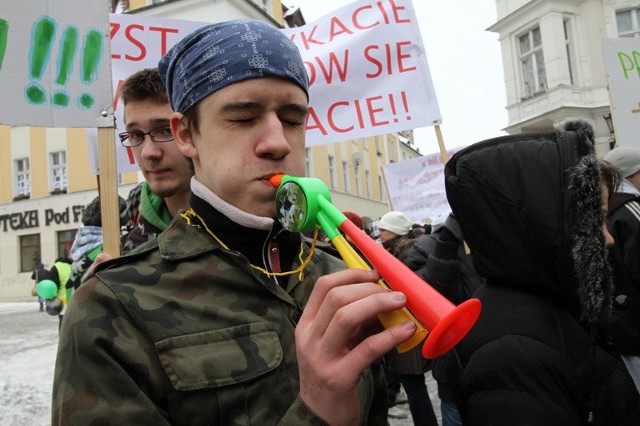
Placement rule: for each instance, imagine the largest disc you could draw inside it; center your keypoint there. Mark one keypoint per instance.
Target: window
(569, 46)
(378, 146)
(357, 173)
(532, 60)
(265, 5)
(345, 176)
(383, 192)
(307, 161)
(119, 6)
(367, 182)
(65, 241)
(628, 22)
(58, 171)
(332, 172)
(29, 252)
(391, 152)
(22, 178)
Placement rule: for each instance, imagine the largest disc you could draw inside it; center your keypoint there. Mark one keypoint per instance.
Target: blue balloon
(47, 289)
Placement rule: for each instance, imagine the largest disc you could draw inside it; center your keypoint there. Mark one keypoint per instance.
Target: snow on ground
(28, 344)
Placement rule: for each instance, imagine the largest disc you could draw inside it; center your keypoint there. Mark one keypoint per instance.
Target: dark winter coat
(622, 328)
(530, 208)
(39, 273)
(443, 262)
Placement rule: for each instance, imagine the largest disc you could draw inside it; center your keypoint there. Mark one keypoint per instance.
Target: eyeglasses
(135, 138)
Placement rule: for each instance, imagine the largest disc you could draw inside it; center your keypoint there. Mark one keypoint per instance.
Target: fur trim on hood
(589, 251)
(529, 206)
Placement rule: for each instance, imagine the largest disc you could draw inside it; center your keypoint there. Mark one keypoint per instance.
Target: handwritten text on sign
(366, 64)
(416, 187)
(54, 63)
(622, 62)
(368, 72)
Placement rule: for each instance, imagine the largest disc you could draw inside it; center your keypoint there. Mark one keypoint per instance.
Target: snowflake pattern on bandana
(199, 65)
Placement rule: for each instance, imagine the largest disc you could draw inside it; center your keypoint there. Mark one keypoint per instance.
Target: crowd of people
(217, 314)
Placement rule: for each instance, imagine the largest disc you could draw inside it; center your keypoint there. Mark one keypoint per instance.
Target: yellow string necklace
(190, 214)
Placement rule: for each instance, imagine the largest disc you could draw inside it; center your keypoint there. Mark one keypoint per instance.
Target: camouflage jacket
(184, 332)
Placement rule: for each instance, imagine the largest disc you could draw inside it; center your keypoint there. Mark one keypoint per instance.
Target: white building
(553, 64)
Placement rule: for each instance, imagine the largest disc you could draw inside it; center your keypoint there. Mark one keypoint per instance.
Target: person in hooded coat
(531, 209)
(621, 331)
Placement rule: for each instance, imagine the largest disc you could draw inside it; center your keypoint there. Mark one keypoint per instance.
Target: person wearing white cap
(406, 368)
(395, 223)
(623, 220)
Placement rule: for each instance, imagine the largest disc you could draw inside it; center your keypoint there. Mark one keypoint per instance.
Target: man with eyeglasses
(153, 203)
(166, 171)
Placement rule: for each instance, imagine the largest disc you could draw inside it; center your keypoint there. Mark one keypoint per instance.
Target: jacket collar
(241, 232)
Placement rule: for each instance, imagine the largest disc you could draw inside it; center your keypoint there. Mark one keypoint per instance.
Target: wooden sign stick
(108, 190)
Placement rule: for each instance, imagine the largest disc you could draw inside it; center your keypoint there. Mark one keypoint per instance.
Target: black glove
(447, 245)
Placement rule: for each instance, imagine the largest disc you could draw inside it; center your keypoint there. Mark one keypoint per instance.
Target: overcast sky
(465, 64)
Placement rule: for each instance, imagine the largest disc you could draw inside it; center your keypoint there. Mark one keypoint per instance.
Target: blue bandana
(225, 53)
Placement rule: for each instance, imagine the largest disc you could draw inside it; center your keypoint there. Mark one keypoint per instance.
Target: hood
(529, 206)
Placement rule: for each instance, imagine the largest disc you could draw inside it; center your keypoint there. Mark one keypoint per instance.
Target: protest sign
(622, 62)
(55, 72)
(366, 63)
(54, 63)
(416, 187)
(368, 72)
(137, 42)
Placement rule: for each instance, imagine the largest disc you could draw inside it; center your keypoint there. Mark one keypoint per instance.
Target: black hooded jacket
(529, 207)
(622, 329)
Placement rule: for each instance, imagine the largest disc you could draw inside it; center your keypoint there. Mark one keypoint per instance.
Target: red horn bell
(446, 322)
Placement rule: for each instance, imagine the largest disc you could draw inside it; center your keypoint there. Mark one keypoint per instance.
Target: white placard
(366, 62)
(54, 63)
(622, 62)
(416, 187)
(368, 72)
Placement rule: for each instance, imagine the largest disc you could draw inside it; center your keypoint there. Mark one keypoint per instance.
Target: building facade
(46, 179)
(553, 63)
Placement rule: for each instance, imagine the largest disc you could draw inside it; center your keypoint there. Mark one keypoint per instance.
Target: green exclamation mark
(4, 36)
(91, 56)
(42, 37)
(68, 47)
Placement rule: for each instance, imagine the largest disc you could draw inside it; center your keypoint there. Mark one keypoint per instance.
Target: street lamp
(612, 133)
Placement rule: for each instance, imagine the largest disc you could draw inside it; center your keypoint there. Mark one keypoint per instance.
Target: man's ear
(182, 134)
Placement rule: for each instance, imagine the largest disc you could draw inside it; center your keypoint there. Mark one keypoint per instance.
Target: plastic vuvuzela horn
(304, 203)
(299, 213)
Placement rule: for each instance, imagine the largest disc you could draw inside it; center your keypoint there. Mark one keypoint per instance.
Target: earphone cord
(190, 214)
